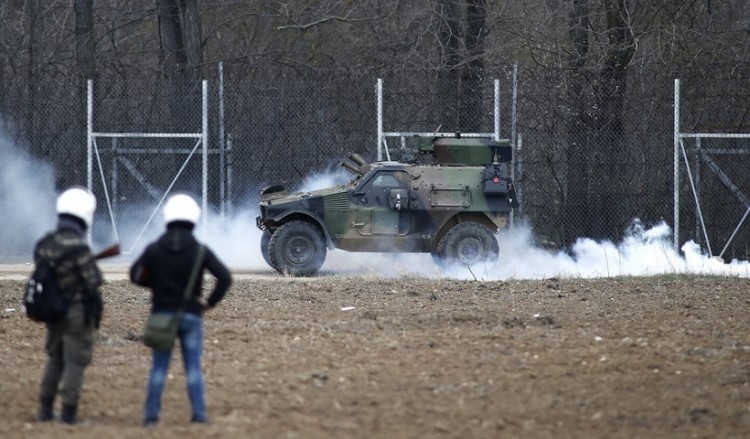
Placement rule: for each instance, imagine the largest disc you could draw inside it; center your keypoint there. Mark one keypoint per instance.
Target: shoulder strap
(194, 273)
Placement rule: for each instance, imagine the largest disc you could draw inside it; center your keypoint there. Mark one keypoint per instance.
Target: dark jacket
(165, 267)
(75, 267)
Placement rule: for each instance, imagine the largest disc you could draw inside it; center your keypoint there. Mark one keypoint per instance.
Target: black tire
(265, 240)
(297, 248)
(437, 259)
(468, 244)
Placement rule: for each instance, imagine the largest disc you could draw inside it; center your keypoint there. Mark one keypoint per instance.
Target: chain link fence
(585, 166)
(714, 155)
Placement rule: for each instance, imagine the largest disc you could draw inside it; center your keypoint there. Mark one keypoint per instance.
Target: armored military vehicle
(449, 199)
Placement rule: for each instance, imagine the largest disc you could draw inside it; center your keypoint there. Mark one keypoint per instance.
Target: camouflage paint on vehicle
(400, 207)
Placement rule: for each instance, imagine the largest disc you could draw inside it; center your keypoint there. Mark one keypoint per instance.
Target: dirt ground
(651, 357)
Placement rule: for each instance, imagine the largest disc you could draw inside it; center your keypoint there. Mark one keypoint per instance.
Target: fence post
(497, 109)
(513, 138)
(676, 225)
(379, 91)
(204, 139)
(90, 141)
(89, 134)
(222, 147)
(230, 170)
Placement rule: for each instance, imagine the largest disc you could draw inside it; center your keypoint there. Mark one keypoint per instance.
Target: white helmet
(78, 202)
(181, 207)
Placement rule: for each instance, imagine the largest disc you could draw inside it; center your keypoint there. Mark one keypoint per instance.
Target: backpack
(43, 300)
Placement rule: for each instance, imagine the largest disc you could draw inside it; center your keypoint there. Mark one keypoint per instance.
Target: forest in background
(595, 90)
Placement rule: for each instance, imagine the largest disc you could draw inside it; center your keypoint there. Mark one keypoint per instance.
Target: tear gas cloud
(26, 200)
(236, 240)
(644, 251)
(28, 197)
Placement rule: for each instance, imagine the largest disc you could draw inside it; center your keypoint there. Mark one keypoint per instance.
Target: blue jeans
(191, 342)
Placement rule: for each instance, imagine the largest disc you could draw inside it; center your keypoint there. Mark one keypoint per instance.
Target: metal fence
(575, 180)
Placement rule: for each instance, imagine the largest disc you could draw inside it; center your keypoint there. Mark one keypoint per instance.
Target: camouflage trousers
(70, 347)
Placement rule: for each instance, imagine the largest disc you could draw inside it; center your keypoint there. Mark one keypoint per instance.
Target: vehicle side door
(383, 204)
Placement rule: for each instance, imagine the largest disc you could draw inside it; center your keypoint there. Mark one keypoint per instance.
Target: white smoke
(643, 251)
(321, 181)
(27, 199)
(236, 239)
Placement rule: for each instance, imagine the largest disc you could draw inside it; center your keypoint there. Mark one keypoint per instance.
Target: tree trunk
(576, 201)
(610, 157)
(85, 38)
(472, 105)
(193, 36)
(448, 68)
(170, 33)
(32, 12)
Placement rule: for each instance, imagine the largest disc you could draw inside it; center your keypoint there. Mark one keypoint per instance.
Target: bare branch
(344, 19)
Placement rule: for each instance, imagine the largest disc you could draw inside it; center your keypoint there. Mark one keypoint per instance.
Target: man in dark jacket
(70, 340)
(165, 267)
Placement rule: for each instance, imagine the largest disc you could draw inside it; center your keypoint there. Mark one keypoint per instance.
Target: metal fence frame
(382, 150)
(382, 135)
(702, 156)
(92, 153)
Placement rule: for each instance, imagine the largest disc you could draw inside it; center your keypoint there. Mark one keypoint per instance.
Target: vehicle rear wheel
(468, 244)
(265, 240)
(297, 248)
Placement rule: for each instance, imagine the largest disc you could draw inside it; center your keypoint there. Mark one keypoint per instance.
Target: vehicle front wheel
(265, 240)
(438, 260)
(297, 248)
(468, 244)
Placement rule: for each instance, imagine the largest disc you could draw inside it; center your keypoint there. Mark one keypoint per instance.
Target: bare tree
(611, 88)
(576, 205)
(193, 35)
(85, 55)
(472, 77)
(450, 59)
(32, 13)
(181, 37)
(173, 57)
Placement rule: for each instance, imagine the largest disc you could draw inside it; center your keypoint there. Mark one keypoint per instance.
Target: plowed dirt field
(409, 357)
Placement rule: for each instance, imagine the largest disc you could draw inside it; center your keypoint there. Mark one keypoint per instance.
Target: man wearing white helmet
(70, 340)
(165, 267)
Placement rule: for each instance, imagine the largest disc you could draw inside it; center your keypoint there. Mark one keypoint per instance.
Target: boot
(69, 414)
(45, 408)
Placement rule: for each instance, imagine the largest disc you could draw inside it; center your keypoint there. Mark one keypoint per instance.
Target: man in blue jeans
(165, 267)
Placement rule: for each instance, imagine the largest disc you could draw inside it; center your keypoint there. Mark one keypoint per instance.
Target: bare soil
(417, 358)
